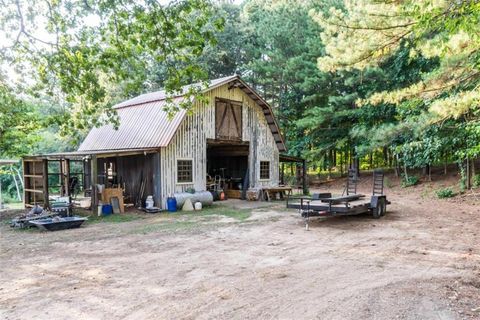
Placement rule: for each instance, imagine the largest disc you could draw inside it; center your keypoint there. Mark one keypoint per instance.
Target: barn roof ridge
(135, 131)
(161, 95)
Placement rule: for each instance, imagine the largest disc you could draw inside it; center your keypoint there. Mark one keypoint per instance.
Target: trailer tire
(384, 207)
(379, 210)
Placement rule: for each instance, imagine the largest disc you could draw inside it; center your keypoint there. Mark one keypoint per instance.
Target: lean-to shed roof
(144, 124)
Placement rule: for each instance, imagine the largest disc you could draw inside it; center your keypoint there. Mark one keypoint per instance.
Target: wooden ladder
(351, 187)
(378, 178)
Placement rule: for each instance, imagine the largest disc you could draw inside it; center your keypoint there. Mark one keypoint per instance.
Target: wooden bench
(269, 193)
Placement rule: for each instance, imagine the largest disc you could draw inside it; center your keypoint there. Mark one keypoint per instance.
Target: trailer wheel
(379, 210)
(384, 207)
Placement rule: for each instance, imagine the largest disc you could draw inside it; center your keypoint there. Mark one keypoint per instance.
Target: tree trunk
(405, 172)
(19, 176)
(341, 164)
(468, 175)
(16, 187)
(350, 159)
(473, 168)
(429, 173)
(445, 164)
(329, 165)
(357, 165)
(397, 171)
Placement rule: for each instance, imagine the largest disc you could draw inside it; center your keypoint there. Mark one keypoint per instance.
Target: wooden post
(282, 174)
(156, 179)
(67, 178)
(304, 182)
(46, 202)
(61, 178)
(93, 181)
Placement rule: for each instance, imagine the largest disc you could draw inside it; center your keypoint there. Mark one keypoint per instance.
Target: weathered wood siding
(190, 142)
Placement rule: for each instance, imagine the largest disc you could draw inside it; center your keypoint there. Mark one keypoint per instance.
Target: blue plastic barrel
(107, 209)
(171, 204)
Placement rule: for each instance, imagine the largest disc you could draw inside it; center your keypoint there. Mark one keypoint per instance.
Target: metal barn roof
(141, 126)
(144, 124)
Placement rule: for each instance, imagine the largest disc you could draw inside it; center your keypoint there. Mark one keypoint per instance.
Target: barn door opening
(228, 120)
(227, 167)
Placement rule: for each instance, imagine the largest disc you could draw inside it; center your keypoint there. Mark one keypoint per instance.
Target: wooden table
(269, 191)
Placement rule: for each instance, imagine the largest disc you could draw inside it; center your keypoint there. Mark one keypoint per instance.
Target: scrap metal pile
(56, 219)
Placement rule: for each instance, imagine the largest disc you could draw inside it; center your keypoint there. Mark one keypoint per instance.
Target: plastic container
(107, 209)
(99, 209)
(198, 206)
(171, 204)
(149, 202)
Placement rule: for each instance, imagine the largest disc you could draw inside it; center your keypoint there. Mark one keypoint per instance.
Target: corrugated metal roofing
(161, 95)
(144, 124)
(141, 126)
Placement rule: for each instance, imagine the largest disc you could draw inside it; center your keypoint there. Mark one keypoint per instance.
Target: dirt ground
(421, 261)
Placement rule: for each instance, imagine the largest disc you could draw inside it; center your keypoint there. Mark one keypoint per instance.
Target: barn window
(184, 171)
(265, 170)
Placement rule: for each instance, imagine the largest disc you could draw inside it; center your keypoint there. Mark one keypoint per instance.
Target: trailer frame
(326, 205)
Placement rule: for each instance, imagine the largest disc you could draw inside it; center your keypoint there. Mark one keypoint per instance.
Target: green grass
(175, 225)
(113, 218)
(194, 220)
(221, 210)
(179, 221)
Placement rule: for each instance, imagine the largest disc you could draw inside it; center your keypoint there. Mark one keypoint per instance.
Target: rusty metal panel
(141, 126)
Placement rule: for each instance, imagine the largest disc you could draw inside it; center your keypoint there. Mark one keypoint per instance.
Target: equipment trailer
(324, 205)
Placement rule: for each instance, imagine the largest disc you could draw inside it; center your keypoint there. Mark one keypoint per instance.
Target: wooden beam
(93, 181)
(46, 202)
(221, 142)
(67, 178)
(157, 179)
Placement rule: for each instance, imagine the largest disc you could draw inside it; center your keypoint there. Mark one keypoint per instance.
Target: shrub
(445, 193)
(476, 181)
(410, 181)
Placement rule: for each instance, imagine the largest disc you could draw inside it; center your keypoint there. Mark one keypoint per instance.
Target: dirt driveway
(419, 262)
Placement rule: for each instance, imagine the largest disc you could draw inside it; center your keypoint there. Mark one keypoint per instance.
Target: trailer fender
(378, 206)
(375, 201)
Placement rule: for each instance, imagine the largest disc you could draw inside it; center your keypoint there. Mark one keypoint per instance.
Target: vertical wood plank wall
(190, 142)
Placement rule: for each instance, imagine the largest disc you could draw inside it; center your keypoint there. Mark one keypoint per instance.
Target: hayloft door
(228, 120)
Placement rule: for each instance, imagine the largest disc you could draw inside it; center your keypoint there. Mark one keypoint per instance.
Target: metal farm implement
(349, 203)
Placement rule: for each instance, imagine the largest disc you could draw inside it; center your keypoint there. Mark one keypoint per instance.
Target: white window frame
(260, 170)
(176, 171)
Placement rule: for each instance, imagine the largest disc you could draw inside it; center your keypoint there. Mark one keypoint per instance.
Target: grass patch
(188, 221)
(113, 218)
(221, 210)
(175, 225)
